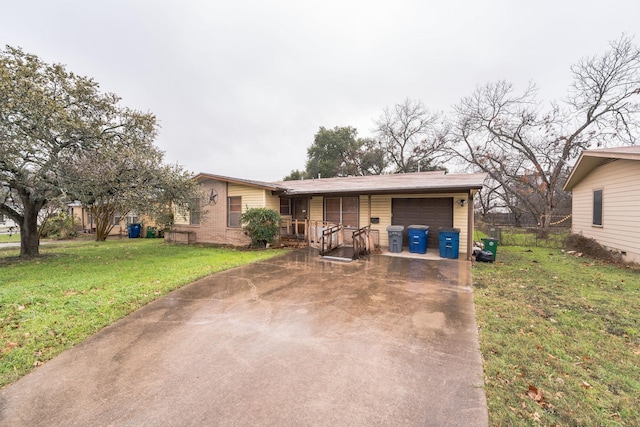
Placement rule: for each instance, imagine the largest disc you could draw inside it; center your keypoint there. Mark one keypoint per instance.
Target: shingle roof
(436, 181)
(407, 182)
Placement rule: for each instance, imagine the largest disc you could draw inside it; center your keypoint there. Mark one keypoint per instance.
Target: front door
(300, 212)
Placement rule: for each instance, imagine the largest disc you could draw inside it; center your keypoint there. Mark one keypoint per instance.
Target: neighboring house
(85, 224)
(434, 199)
(605, 185)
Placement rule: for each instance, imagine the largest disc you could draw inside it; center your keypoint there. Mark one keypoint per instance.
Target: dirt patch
(592, 249)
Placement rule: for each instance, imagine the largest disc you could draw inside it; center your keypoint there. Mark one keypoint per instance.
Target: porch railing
(362, 242)
(331, 238)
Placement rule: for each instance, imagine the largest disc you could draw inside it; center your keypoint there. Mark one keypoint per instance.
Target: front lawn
(75, 289)
(9, 238)
(560, 339)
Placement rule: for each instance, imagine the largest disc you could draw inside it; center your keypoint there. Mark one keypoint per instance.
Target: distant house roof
(591, 159)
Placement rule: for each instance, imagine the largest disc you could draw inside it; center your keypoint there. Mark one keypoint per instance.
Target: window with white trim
(234, 211)
(597, 208)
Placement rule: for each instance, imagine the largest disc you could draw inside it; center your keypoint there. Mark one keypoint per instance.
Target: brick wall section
(213, 222)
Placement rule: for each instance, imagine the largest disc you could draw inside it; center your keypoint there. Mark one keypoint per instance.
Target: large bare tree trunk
(29, 236)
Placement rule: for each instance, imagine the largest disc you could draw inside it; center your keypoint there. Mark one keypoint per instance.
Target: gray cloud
(241, 87)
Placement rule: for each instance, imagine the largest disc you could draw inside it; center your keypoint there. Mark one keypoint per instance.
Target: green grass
(560, 339)
(5, 238)
(56, 301)
(524, 237)
(514, 236)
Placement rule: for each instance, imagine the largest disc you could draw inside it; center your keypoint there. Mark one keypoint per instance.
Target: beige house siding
(254, 197)
(251, 197)
(271, 202)
(381, 208)
(363, 205)
(620, 185)
(213, 222)
(316, 209)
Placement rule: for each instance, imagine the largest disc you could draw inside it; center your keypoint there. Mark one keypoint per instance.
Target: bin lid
(395, 228)
(418, 227)
(449, 230)
(489, 239)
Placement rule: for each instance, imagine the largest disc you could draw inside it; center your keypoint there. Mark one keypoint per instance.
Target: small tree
(410, 137)
(262, 224)
(127, 176)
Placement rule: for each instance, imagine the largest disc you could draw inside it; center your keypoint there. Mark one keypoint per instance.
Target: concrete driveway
(289, 341)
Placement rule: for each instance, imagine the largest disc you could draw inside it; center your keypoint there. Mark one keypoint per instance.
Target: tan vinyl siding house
(217, 219)
(85, 224)
(308, 206)
(381, 207)
(605, 187)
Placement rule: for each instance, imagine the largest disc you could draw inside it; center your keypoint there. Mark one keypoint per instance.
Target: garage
(434, 212)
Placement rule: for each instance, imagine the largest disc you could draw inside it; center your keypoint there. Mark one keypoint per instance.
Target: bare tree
(410, 136)
(527, 148)
(487, 199)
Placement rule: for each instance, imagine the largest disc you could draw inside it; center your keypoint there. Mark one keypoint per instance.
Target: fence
(525, 220)
(511, 236)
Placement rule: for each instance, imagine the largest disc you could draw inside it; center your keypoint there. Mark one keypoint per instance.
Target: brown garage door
(435, 213)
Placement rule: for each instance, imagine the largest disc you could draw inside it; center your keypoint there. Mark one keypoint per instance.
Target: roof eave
(589, 160)
(257, 184)
(411, 190)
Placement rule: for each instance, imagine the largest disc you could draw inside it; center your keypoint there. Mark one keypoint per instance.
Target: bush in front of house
(59, 226)
(262, 224)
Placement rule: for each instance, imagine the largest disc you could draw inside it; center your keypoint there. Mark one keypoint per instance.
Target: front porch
(339, 243)
(332, 240)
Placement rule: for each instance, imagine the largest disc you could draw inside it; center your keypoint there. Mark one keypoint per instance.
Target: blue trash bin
(449, 242)
(134, 231)
(418, 235)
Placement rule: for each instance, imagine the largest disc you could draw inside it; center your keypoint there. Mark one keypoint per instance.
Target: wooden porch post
(470, 225)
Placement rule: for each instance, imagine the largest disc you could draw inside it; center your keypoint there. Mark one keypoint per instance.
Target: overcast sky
(241, 87)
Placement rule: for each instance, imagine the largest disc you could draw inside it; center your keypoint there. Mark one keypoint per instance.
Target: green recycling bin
(491, 245)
